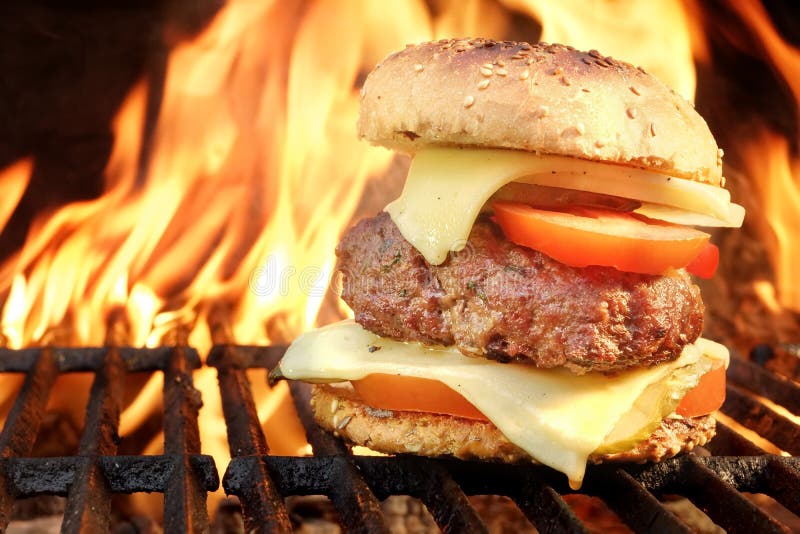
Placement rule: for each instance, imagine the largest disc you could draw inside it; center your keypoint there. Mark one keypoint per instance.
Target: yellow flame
(776, 187)
(654, 35)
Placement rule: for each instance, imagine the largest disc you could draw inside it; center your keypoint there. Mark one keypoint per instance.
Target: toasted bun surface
(550, 99)
(341, 411)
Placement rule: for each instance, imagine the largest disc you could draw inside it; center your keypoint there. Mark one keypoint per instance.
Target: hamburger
(529, 296)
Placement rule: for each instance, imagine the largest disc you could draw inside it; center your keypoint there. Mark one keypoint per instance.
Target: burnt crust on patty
(341, 411)
(499, 300)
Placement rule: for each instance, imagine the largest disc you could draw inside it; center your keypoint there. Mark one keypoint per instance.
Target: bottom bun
(339, 410)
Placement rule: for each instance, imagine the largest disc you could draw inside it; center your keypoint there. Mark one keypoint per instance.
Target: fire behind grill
(356, 485)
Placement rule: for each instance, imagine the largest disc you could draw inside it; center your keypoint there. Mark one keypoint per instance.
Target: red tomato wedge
(591, 236)
(411, 394)
(706, 397)
(706, 263)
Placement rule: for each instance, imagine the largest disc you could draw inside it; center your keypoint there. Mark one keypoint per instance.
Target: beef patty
(502, 301)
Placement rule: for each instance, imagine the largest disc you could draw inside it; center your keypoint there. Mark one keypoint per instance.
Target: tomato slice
(411, 394)
(706, 263)
(706, 397)
(581, 237)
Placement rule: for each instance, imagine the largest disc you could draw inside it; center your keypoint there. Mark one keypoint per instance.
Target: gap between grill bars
(182, 473)
(356, 484)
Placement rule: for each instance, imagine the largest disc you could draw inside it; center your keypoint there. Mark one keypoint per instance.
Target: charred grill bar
(88, 479)
(717, 483)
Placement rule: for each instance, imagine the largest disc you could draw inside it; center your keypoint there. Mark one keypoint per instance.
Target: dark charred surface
(89, 479)
(507, 302)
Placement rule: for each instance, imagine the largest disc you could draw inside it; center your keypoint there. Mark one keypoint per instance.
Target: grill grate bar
(444, 498)
(780, 390)
(545, 508)
(636, 506)
(352, 497)
(723, 503)
(783, 484)
(29, 477)
(730, 443)
(264, 509)
(184, 497)
(756, 416)
(89, 501)
(78, 359)
(22, 423)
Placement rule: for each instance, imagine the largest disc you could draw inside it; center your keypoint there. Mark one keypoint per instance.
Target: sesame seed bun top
(545, 98)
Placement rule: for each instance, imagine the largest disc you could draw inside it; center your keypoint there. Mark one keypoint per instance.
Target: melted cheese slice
(447, 187)
(557, 417)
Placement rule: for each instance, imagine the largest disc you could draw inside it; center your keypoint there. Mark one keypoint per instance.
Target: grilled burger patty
(510, 303)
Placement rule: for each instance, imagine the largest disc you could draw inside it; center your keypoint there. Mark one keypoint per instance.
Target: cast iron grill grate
(88, 479)
(356, 484)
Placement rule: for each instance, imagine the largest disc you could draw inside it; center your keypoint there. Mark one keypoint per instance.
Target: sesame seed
(500, 63)
(529, 61)
(558, 71)
(484, 84)
(524, 74)
(486, 72)
(586, 60)
(631, 112)
(541, 112)
(517, 56)
(586, 90)
(599, 144)
(344, 422)
(595, 54)
(335, 419)
(418, 67)
(469, 101)
(501, 72)
(565, 81)
(487, 66)
(634, 91)
(580, 128)
(334, 404)
(653, 129)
